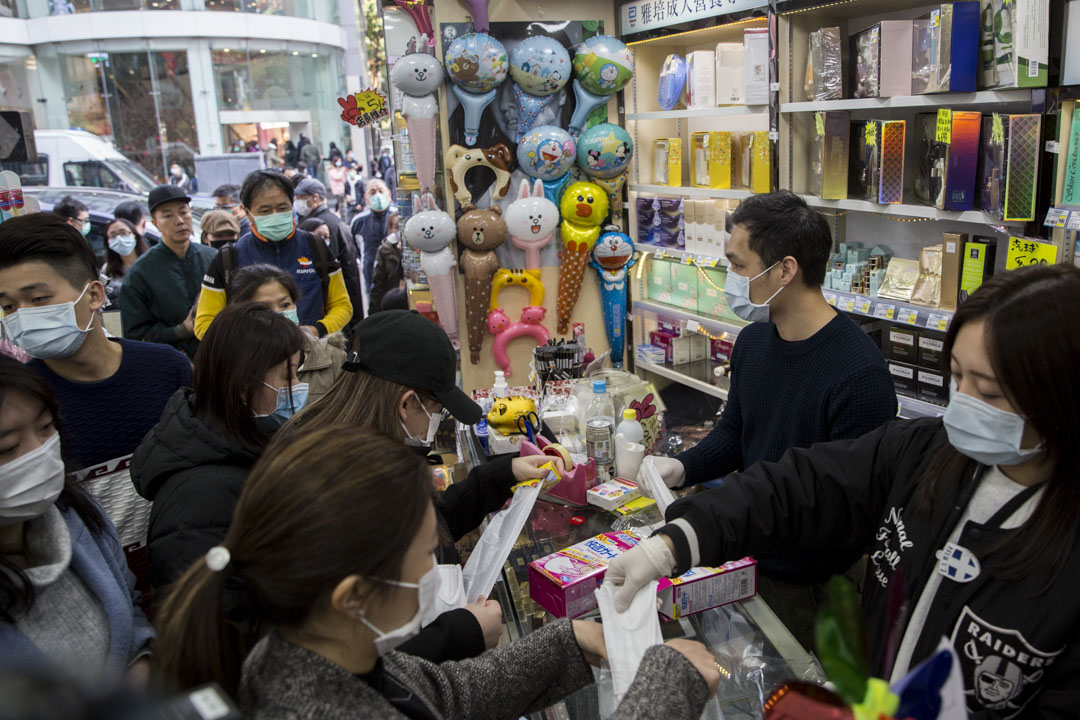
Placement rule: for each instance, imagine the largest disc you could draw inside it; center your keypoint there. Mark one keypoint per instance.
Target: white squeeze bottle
(500, 388)
(629, 428)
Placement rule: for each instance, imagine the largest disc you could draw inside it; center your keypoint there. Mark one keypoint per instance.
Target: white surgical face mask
(428, 592)
(30, 484)
(434, 421)
(379, 202)
(301, 207)
(47, 332)
(985, 433)
(737, 293)
(122, 245)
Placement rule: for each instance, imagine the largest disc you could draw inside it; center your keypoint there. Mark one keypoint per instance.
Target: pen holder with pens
(575, 483)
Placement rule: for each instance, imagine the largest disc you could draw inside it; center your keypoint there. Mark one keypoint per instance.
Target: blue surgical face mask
(985, 433)
(379, 202)
(47, 332)
(275, 227)
(292, 315)
(85, 230)
(286, 409)
(737, 294)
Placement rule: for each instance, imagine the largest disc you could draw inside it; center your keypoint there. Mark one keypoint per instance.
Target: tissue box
(663, 341)
(613, 494)
(660, 281)
(700, 84)
(667, 162)
(684, 292)
(729, 73)
(702, 589)
(500, 444)
(756, 66)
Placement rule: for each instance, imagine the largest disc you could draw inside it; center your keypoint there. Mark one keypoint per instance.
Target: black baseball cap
(404, 347)
(166, 193)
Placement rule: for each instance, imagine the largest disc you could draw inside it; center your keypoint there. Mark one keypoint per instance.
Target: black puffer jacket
(194, 478)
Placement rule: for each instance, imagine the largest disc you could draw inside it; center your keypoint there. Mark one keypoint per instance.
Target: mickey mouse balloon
(602, 66)
(604, 151)
(477, 63)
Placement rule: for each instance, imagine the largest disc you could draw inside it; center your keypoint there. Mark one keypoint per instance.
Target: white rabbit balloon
(430, 230)
(532, 220)
(418, 76)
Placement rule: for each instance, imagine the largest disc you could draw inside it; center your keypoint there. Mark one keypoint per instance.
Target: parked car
(78, 159)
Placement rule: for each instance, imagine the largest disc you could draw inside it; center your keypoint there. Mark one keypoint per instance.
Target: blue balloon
(529, 109)
(546, 152)
(540, 65)
(604, 150)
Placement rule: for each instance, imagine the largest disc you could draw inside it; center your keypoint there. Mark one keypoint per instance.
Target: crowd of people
(248, 468)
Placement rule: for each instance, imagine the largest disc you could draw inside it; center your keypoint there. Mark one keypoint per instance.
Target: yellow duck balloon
(584, 206)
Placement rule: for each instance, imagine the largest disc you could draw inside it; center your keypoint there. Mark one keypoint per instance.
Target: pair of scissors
(525, 424)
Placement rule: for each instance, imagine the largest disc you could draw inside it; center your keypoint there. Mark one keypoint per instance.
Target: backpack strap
(323, 260)
(228, 267)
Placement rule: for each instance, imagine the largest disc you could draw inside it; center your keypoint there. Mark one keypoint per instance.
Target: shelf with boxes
(710, 112)
(689, 376)
(1021, 96)
(691, 192)
(705, 322)
(909, 211)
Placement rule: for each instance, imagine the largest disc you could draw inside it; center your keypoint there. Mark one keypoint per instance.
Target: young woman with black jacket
(399, 380)
(194, 462)
(972, 520)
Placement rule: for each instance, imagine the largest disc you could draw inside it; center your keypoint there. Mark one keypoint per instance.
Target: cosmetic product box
(904, 378)
(881, 58)
(829, 162)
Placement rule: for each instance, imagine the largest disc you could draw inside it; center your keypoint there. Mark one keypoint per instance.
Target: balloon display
(604, 151)
(540, 65)
(547, 152)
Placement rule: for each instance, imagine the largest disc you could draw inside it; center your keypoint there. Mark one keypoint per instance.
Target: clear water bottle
(600, 431)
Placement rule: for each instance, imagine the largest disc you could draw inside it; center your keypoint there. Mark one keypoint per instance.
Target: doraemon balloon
(418, 76)
(602, 66)
(540, 65)
(604, 151)
(547, 153)
(477, 64)
(612, 258)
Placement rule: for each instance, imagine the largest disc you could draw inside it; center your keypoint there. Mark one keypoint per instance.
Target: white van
(77, 158)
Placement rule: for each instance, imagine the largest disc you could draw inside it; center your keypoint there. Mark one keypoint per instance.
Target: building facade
(166, 80)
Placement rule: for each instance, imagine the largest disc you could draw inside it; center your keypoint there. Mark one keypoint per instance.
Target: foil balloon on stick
(417, 9)
(477, 64)
(547, 153)
(539, 67)
(602, 66)
(612, 258)
(479, 232)
(430, 230)
(603, 153)
(479, 11)
(584, 206)
(418, 76)
(532, 220)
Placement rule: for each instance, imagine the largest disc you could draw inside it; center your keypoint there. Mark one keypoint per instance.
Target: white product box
(756, 66)
(700, 86)
(613, 494)
(729, 73)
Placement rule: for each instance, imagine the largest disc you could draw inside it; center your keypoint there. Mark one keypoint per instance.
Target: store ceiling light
(295, 52)
(314, 54)
(262, 51)
(225, 50)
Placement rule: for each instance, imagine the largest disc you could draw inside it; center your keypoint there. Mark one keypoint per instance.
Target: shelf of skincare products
(1016, 96)
(908, 210)
(706, 112)
(896, 311)
(688, 319)
(913, 409)
(692, 374)
(691, 192)
(686, 258)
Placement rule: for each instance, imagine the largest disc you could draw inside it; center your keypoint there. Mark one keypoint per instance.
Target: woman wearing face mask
(399, 380)
(973, 518)
(369, 228)
(66, 595)
(337, 176)
(389, 273)
(180, 179)
(125, 246)
(331, 552)
(315, 226)
(276, 290)
(192, 465)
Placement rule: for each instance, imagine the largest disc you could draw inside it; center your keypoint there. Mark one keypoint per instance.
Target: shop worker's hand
(671, 472)
(702, 660)
(650, 560)
(528, 468)
(590, 638)
(489, 614)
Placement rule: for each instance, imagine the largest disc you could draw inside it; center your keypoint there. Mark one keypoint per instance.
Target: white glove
(671, 471)
(650, 560)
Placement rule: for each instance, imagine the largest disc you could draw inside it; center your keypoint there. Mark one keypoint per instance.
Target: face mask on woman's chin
(427, 592)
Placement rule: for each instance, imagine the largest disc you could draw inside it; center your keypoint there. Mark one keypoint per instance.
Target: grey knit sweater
(283, 681)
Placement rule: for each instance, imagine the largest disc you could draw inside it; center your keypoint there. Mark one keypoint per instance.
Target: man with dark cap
(219, 228)
(157, 302)
(310, 202)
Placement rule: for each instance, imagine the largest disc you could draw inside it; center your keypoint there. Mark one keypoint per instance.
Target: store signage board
(641, 15)
(1026, 251)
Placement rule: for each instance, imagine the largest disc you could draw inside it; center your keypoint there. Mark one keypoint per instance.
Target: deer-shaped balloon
(430, 230)
(532, 220)
(418, 76)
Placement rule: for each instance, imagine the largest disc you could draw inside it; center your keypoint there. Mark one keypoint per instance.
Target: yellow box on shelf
(760, 162)
(667, 162)
(710, 160)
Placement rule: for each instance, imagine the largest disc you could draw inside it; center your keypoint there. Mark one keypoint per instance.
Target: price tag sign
(1056, 218)
(937, 321)
(846, 303)
(885, 311)
(944, 126)
(908, 316)
(687, 260)
(819, 123)
(871, 131)
(830, 298)
(692, 325)
(662, 255)
(709, 262)
(863, 305)
(1028, 251)
(1073, 223)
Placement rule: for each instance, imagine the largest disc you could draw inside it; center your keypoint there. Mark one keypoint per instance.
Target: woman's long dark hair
(244, 342)
(114, 264)
(250, 278)
(1032, 335)
(16, 591)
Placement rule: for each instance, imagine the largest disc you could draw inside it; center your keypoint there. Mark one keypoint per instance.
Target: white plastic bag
(451, 593)
(649, 475)
(494, 546)
(629, 634)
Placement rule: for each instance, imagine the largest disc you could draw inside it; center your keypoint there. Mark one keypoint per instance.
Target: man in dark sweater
(111, 392)
(802, 373)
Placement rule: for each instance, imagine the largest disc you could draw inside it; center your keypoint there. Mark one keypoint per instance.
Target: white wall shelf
(709, 323)
(692, 192)
(687, 258)
(683, 379)
(726, 111)
(985, 97)
(897, 311)
(908, 211)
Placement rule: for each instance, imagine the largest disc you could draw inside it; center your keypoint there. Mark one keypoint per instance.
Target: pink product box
(564, 583)
(662, 340)
(720, 350)
(671, 328)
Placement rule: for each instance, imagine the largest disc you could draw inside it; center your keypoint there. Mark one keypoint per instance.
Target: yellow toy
(584, 206)
(505, 412)
(528, 279)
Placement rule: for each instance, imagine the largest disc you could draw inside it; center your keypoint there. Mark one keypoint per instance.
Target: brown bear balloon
(479, 233)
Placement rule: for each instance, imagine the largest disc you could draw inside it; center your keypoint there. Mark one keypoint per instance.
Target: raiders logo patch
(1002, 671)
